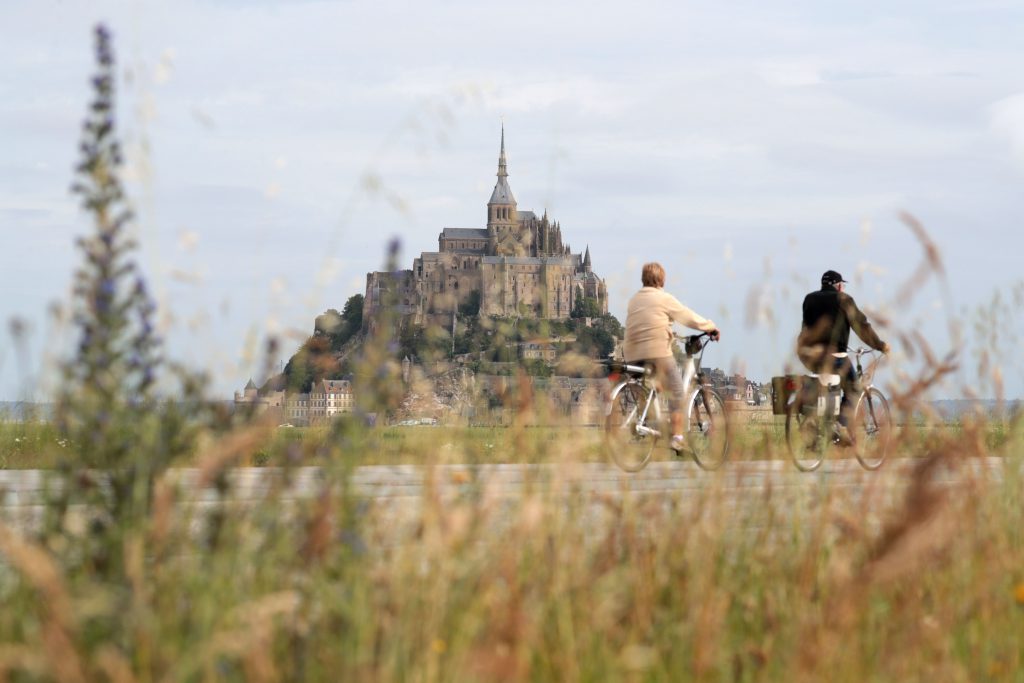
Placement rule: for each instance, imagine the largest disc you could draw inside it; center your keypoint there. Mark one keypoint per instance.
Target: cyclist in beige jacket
(649, 318)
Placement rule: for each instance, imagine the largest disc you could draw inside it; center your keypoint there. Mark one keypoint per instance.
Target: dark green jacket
(829, 315)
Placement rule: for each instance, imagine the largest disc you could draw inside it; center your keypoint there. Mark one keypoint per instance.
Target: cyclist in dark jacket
(829, 315)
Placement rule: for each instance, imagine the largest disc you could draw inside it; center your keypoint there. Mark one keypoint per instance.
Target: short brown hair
(653, 275)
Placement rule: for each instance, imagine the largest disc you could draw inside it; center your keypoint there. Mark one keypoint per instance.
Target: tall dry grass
(917, 574)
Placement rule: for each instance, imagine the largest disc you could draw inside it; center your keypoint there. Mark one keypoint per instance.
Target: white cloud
(1006, 118)
(790, 73)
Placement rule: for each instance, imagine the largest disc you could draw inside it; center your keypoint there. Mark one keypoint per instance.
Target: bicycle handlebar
(694, 344)
(696, 337)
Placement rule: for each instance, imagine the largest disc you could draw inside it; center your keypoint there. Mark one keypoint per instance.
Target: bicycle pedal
(842, 436)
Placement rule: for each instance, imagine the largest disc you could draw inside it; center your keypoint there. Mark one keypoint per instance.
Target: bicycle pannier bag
(782, 388)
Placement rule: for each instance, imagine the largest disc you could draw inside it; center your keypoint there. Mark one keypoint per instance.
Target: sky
(274, 148)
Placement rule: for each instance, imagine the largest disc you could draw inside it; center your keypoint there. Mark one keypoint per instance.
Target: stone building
(326, 399)
(518, 265)
(250, 399)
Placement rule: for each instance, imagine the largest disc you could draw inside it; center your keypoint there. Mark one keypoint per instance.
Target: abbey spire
(502, 217)
(502, 166)
(502, 195)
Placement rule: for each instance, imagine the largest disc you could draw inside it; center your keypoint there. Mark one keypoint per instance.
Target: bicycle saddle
(826, 380)
(628, 368)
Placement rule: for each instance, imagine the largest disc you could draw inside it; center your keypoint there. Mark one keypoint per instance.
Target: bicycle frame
(867, 383)
(635, 408)
(866, 380)
(692, 374)
(637, 375)
(652, 401)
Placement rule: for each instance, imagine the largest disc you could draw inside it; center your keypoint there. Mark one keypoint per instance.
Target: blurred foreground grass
(481, 587)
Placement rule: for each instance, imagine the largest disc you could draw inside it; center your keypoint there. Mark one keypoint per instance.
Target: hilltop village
(493, 309)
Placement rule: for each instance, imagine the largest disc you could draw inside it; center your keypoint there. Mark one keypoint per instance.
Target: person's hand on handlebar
(711, 329)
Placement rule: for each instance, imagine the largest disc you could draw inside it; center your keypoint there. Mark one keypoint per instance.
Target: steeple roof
(502, 192)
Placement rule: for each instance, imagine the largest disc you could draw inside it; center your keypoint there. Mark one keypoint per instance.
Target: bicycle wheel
(708, 437)
(628, 447)
(808, 435)
(872, 429)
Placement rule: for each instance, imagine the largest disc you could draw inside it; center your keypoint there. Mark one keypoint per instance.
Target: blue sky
(275, 147)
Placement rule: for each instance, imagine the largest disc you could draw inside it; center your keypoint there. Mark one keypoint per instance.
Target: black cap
(831, 278)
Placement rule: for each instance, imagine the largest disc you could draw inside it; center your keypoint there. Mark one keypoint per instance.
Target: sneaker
(843, 436)
(678, 443)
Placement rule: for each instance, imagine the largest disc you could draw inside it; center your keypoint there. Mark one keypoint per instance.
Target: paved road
(394, 495)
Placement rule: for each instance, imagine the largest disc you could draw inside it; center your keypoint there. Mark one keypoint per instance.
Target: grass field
(32, 445)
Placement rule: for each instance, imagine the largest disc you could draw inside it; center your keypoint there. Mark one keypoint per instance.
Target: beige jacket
(649, 319)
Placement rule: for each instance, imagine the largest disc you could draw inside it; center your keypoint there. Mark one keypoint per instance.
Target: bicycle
(633, 422)
(812, 424)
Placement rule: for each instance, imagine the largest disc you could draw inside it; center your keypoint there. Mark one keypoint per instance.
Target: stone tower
(503, 230)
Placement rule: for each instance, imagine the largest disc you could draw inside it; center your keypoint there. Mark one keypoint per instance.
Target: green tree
(318, 356)
(352, 314)
(341, 327)
(585, 307)
(594, 342)
(537, 368)
(610, 324)
(424, 343)
(471, 306)
(298, 375)
(314, 361)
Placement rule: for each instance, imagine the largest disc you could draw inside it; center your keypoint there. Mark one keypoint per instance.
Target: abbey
(517, 266)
